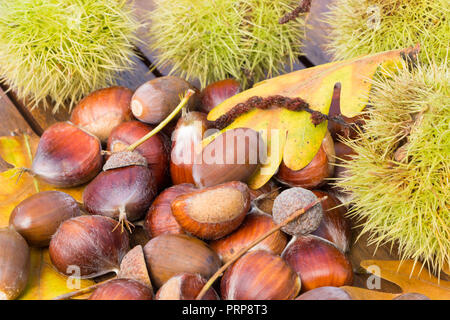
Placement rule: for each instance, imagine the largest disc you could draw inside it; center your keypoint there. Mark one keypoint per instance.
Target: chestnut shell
(122, 289)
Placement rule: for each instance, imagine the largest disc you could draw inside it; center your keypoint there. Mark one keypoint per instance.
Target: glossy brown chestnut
(155, 150)
(159, 219)
(217, 92)
(212, 213)
(260, 275)
(315, 173)
(122, 289)
(153, 101)
(122, 193)
(14, 264)
(232, 156)
(185, 286)
(88, 243)
(102, 110)
(186, 142)
(38, 217)
(170, 254)
(334, 227)
(318, 263)
(67, 156)
(325, 293)
(254, 226)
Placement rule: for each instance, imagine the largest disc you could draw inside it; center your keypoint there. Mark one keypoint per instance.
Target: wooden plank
(10, 118)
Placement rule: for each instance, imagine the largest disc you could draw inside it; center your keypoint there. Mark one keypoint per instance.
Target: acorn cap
(124, 159)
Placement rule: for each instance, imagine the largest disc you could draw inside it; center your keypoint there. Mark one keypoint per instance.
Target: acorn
(38, 217)
(213, 212)
(334, 227)
(232, 156)
(294, 199)
(186, 143)
(185, 286)
(123, 191)
(325, 293)
(315, 173)
(14, 264)
(170, 254)
(217, 92)
(318, 262)
(260, 275)
(122, 289)
(155, 150)
(67, 156)
(90, 244)
(159, 219)
(102, 110)
(254, 226)
(153, 101)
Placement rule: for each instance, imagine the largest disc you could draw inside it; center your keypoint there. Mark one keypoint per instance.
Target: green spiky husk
(214, 40)
(404, 197)
(63, 50)
(359, 27)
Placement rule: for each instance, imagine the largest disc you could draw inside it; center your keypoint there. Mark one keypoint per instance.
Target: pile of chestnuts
(197, 216)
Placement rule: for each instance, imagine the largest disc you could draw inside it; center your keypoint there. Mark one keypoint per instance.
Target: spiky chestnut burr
(64, 49)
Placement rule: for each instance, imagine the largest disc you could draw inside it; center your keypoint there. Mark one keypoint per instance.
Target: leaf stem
(27, 145)
(240, 253)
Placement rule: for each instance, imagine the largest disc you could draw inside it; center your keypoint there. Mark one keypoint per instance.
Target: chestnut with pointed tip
(14, 264)
(90, 244)
(318, 263)
(102, 110)
(260, 275)
(212, 213)
(217, 92)
(185, 286)
(170, 254)
(38, 217)
(122, 289)
(155, 150)
(254, 226)
(159, 219)
(67, 156)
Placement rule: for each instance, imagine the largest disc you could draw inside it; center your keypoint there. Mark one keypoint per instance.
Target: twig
(240, 253)
(304, 6)
(82, 291)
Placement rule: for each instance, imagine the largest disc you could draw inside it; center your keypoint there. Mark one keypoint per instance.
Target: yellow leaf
(411, 277)
(297, 137)
(45, 282)
(366, 294)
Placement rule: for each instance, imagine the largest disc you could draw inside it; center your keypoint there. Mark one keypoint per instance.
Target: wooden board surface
(15, 114)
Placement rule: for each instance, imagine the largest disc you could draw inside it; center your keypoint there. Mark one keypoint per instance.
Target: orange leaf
(366, 294)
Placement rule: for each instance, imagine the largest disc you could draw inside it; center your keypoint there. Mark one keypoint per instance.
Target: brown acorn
(170, 254)
(202, 214)
(122, 289)
(260, 275)
(67, 156)
(159, 219)
(102, 110)
(185, 286)
(38, 217)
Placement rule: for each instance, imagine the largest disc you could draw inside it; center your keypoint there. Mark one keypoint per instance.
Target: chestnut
(155, 150)
(14, 264)
(185, 286)
(318, 263)
(67, 156)
(411, 296)
(202, 215)
(343, 152)
(186, 143)
(102, 110)
(90, 244)
(232, 156)
(153, 101)
(217, 92)
(170, 254)
(122, 289)
(159, 218)
(315, 173)
(325, 293)
(133, 266)
(334, 227)
(38, 217)
(254, 226)
(260, 275)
